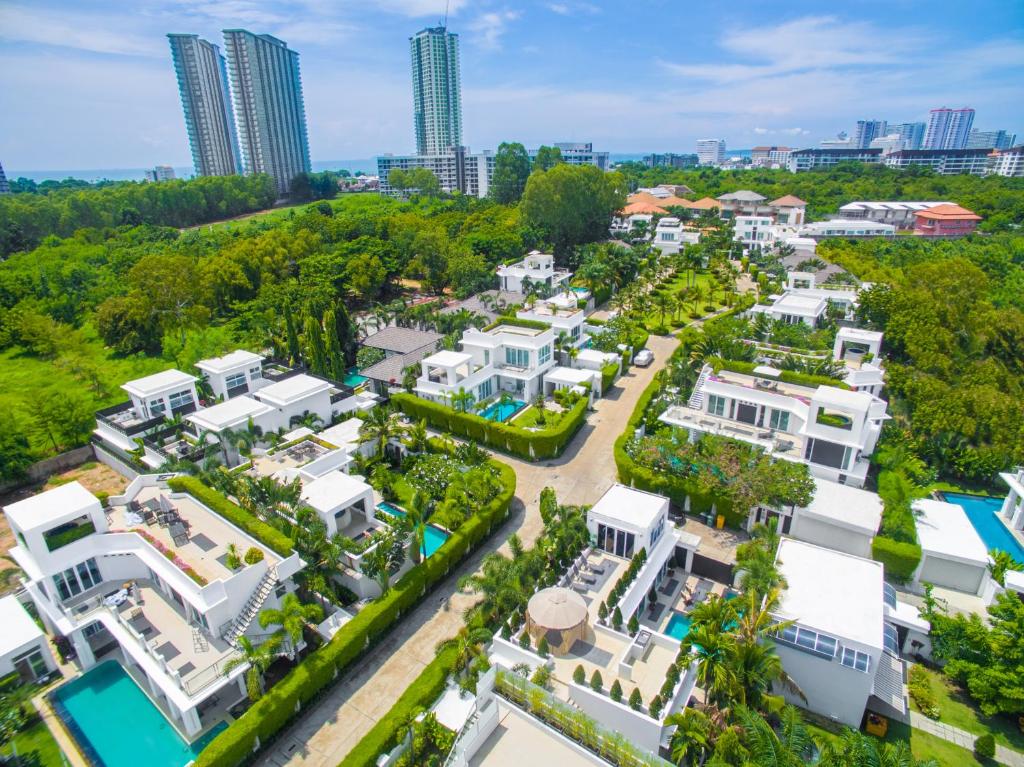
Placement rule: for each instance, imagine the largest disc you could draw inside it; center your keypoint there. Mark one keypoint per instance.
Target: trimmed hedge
(505, 437)
(517, 322)
(390, 728)
(280, 705)
(266, 534)
(608, 373)
(788, 376)
(900, 559)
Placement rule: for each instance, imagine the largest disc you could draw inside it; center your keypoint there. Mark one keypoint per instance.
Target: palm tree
(466, 645)
(416, 516)
(788, 746)
(383, 560)
(1001, 562)
(498, 585)
(380, 428)
(292, 616)
(321, 553)
(855, 749)
(713, 649)
(259, 657)
(692, 737)
(416, 436)
(462, 400)
(307, 419)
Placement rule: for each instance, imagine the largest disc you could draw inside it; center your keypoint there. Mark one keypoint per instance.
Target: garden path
(962, 738)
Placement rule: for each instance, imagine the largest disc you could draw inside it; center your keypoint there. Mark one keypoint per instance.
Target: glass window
(855, 659)
(716, 405)
(233, 381)
(156, 407)
(256, 372)
(544, 354)
(779, 420)
(180, 399)
(519, 358)
(84, 576)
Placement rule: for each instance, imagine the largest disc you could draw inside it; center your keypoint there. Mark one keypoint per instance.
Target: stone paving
(961, 738)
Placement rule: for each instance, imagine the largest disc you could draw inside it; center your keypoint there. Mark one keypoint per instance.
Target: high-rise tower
(271, 114)
(948, 128)
(436, 90)
(203, 84)
(867, 131)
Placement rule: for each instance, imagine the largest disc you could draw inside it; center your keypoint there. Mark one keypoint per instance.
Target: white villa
(239, 372)
(953, 555)
(839, 227)
(538, 268)
(670, 235)
(860, 352)
(803, 302)
(24, 648)
(101, 578)
(832, 430)
(562, 312)
(843, 650)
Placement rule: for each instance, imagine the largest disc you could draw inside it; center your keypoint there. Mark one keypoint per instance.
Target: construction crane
(444, 19)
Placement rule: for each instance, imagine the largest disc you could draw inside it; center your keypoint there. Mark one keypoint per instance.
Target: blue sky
(85, 84)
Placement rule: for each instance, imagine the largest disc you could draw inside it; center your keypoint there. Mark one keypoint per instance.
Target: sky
(85, 84)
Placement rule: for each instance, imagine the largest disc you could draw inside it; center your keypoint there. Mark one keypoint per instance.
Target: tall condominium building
(867, 131)
(160, 173)
(711, 151)
(436, 90)
(271, 114)
(206, 101)
(5, 188)
(990, 139)
(948, 128)
(912, 134)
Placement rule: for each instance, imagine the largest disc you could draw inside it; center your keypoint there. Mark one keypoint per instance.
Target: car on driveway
(643, 358)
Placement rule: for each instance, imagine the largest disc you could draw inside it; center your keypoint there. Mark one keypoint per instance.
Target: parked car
(643, 358)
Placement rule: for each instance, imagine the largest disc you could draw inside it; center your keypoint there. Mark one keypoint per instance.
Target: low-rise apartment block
(945, 221)
(839, 227)
(809, 159)
(899, 214)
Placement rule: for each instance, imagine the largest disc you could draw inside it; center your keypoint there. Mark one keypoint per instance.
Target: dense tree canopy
(511, 169)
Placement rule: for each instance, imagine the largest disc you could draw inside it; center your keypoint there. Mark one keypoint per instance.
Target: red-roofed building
(789, 210)
(946, 220)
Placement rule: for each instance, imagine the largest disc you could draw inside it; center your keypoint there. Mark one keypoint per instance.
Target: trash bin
(720, 521)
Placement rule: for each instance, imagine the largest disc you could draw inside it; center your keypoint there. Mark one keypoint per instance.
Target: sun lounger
(596, 569)
(588, 580)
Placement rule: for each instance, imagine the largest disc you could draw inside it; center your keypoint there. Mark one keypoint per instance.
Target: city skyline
(541, 73)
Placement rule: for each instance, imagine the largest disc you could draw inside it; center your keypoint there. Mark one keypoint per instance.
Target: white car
(643, 358)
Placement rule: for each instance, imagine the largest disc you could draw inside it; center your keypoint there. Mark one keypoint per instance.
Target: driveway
(326, 733)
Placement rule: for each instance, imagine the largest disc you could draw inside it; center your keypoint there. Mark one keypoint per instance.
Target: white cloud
(761, 131)
(67, 29)
(560, 8)
(487, 29)
(418, 8)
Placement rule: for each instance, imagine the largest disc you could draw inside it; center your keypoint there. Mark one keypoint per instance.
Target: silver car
(643, 358)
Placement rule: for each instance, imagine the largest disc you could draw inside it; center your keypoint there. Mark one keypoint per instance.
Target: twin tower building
(268, 107)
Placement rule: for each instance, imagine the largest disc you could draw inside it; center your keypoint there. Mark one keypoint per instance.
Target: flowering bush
(170, 555)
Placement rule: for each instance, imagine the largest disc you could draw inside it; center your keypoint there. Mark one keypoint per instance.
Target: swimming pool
(678, 626)
(118, 726)
(433, 537)
(353, 379)
(981, 511)
(580, 290)
(502, 411)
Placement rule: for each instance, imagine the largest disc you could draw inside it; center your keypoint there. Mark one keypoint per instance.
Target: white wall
(7, 666)
(635, 726)
(821, 533)
(953, 575)
(833, 690)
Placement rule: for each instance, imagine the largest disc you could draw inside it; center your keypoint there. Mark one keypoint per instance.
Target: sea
(366, 165)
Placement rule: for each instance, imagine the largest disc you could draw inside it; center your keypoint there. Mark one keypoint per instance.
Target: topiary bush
(616, 692)
(985, 746)
(524, 640)
(657, 704)
(542, 647)
(596, 682)
(579, 675)
(617, 619)
(636, 702)
(633, 626)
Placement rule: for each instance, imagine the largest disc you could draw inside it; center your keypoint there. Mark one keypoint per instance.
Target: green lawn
(527, 418)
(957, 709)
(703, 280)
(922, 745)
(36, 746)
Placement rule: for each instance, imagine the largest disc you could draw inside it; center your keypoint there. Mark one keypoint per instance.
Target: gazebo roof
(557, 608)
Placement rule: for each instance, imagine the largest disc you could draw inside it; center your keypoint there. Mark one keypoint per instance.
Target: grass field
(36, 746)
(680, 317)
(922, 745)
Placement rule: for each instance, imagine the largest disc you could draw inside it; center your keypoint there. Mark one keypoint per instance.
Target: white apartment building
(578, 153)
(100, 577)
(538, 268)
(839, 227)
(889, 143)
(670, 235)
(808, 159)
(943, 161)
(832, 430)
(755, 232)
(900, 214)
(160, 173)
(843, 648)
(711, 151)
(1008, 162)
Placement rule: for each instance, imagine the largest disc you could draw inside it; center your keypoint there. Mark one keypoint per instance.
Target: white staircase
(696, 400)
(252, 608)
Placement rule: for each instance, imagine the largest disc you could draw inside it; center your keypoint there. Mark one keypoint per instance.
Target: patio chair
(149, 517)
(596, 569)
(588, 580)
(135, 506)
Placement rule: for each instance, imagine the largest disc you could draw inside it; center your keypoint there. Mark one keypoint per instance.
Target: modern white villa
(843, 649)
(860, 353)
(670, 236)
(1013, 505)
(562, 312)
(24, 648)
(803, 302)
(832, 430)
(953, 555)
(147, 582)
(537, 269)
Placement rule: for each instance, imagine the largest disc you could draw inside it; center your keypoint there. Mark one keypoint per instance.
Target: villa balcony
(123, 419)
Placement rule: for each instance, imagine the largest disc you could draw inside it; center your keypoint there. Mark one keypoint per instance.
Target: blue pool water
(577, 289)
(118, 726)
(433, 537)
(678, 626)
(981, 511)
(502, 411)
(353, 379)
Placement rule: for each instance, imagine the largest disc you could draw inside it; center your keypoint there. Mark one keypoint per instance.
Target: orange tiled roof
(787, 201)
(948, 212)
(642, 206)
(664, 202)
(705, 203)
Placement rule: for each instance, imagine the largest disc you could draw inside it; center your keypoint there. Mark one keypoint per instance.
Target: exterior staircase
(252, 608)
(696, 401)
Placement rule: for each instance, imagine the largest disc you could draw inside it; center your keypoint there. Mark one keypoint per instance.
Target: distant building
(841, 141)
(670, 160)
(1009, 162)
(867, 131)
(457, 170)
(911, 133)
(809, 159)
(5, 188)
(943, 161)
(160, 173)
(990, 139)
(206, 101)
(899, 214)
(838, 227)
(269, 106)
(436, 90)
(579, 154)
(948, 128)
(769, 156)
(889, 143)
(945, 220)
(711, 151)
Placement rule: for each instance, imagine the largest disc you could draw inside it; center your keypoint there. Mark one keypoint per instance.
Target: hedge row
(900, 559)
(391, 728)
(531, 445)
(608, 373)
(788, 376)
(266, 534)
(279, 706)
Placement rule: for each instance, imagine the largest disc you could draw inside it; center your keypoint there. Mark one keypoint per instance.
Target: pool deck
(1017, 535)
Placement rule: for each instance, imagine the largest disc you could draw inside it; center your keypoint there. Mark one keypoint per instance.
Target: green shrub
(617, 618)
(266, 534)
(542, 647)
(579, 675)
(634, 625)
(636, 702)
(985, 746)
(616, 692)
(253, 555)
(657, 704)
(608, 373)
(789, 376)
(596, 682)
(919, 684)
(524, 640)
(900, 559)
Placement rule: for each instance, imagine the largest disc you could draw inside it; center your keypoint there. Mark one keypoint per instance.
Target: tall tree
(316, 347)
(547, 157)
(511, 169)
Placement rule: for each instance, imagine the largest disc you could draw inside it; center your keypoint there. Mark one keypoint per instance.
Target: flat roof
(833, 395)
(859, 334)
(235, 359)
(847, 506)
(158, 382)
(333, 490)
(573, 376)
(447, 358)
(292, 389)
(944, 530)
(343, 434)
(636, 508)
(835, 593)
(791, 303)
(19, 628)
(61, 503)
(593, 355)
(230, 413)
(401, 340)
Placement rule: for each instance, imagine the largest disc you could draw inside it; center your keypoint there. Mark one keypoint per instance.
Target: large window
(75, 580)
(485, 389)
(519, 358)
(180, 399)
(234, 381)
(156, 407)
(544, 354)
(779, 420)
(716, 405)
(617, 542)
(828, 453)
(810, 641)
(855, 659)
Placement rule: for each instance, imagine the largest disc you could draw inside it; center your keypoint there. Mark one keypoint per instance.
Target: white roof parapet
(292, 389)
(448, 359)
(19, 628)
(229, 414)
(637, 509)
(944, 530)
(62, 503)
(158, 382)
(334, 490)
(845, 506)
(235, 359)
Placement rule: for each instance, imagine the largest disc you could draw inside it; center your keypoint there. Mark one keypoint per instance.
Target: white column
(191, 722)
(689, 560)
(86, 657)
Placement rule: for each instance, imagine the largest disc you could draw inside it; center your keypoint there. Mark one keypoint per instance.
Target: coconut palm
(380, 428)
(786, 746)
(258, 657)
(691, 738)
(416, 436)
(292, 616)
(713, 650)
(462, 400)
(466, 644)
(497, 584)
(855, 749)
(309, 420)
(383, 559)
(416, 513)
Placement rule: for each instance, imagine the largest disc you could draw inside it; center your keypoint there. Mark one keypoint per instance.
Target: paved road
(325, 735)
